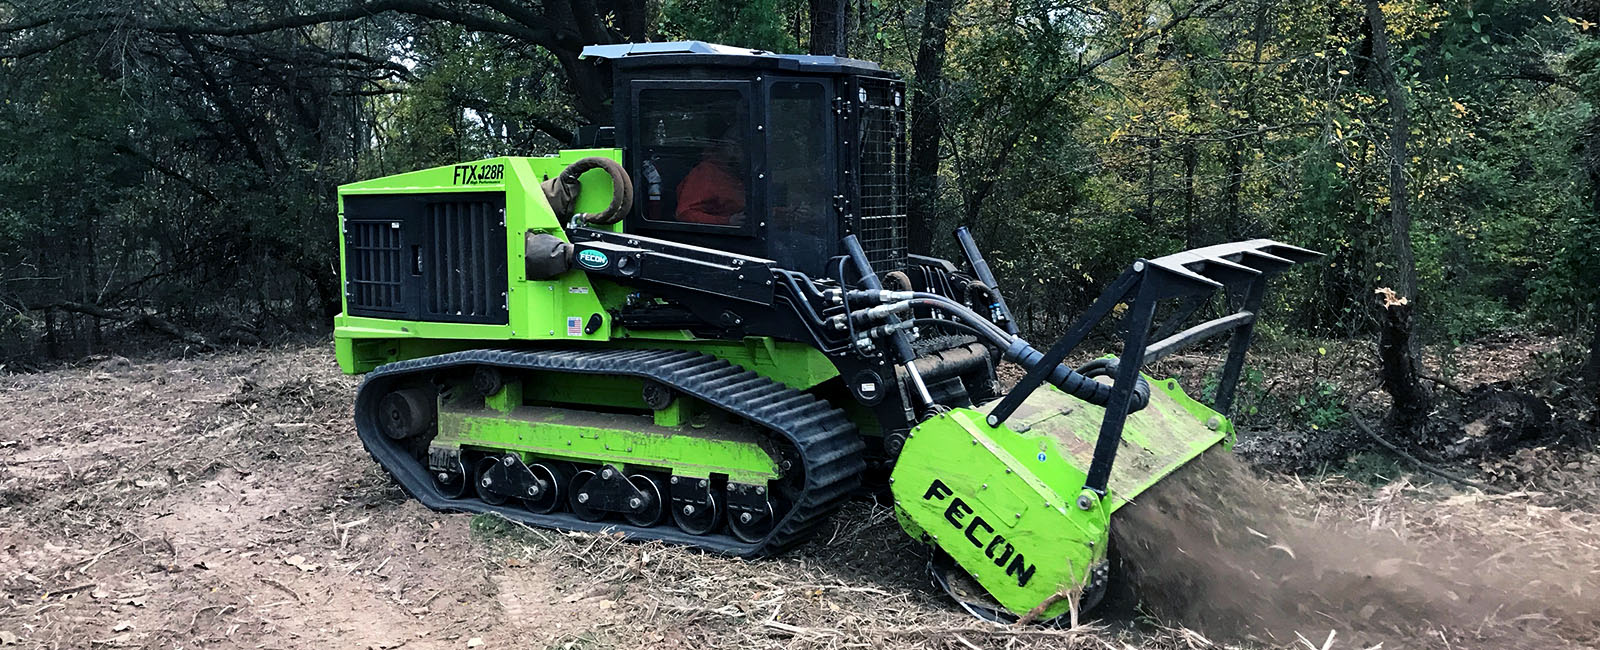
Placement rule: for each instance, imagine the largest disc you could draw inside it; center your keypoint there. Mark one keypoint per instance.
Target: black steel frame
(1191, 276)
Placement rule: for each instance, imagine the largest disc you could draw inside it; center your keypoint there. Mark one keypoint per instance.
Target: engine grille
(375, 266)
(883, 169)
(464, 272)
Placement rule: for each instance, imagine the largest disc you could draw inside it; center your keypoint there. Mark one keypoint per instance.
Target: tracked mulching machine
(702, 326)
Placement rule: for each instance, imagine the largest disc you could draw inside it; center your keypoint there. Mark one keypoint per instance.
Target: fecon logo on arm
(479, 174)
(980, 533)
(592, 259)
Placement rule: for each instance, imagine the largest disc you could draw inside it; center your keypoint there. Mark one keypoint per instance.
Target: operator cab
(776, 156)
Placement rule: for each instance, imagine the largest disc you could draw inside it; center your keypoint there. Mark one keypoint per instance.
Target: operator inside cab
(697, 172)
(695, 169)
(713, 192)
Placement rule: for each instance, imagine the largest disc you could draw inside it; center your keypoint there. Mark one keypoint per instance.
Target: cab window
(695, 168)
(802, 226)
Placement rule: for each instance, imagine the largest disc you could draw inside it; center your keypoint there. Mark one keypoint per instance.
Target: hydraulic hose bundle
(885, 306)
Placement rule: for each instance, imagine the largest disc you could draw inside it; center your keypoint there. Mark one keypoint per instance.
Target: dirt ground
(223, 501)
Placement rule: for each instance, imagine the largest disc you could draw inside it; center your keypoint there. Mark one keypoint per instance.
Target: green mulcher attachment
(1018, 495)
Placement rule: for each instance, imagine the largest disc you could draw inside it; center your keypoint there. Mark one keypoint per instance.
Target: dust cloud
(1218, 549)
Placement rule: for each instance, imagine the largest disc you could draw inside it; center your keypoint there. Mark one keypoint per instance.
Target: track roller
(557, 476)
(750, 512)
(650, 508)
(581, 500)
(696, 508)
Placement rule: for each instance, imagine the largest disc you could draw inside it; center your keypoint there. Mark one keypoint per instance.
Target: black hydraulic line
(952, 324)
(902, 341)
(1042, 367)
(999, 336)
(809, 284)
(794, 285)
(981, 269)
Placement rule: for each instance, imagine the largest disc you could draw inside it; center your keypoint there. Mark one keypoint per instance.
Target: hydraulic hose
(952, 324)
(1078, 384)
(1016, 350)
(968, 317)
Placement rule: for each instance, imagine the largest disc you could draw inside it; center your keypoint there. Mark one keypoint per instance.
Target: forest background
(167, 167)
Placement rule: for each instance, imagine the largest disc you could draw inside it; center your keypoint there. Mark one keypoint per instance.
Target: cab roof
(690, 53)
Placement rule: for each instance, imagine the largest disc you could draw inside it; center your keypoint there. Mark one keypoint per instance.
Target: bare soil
(223, 501)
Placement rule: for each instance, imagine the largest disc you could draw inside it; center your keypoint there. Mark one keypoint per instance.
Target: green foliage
(743, 23)
(192, 175)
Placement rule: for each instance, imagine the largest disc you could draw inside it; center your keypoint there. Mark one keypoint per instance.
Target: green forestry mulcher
(703, 327)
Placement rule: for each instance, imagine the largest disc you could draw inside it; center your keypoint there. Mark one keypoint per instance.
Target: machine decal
(574, 326)
(593, 259)
(479, 174)
(995, 548)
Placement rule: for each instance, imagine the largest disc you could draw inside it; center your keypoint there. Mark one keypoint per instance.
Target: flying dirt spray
(1218, 549)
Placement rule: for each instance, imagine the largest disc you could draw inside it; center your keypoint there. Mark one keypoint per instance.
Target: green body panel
(1172, 430)
(1003, 502)
(689, 441)
(540, 310)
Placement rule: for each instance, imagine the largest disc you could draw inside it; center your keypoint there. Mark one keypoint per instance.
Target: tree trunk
(1397, 341)
(828, 20)
(1399, 133)
(1191, 226)
(1230, 228)
(1591, 371)
(927, 123)
(1148, 215)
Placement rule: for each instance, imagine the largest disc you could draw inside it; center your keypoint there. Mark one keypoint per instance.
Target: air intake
(426, 257)
(375, 268)
(464, 277)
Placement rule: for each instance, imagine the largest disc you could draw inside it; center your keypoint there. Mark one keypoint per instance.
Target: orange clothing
(710, 194)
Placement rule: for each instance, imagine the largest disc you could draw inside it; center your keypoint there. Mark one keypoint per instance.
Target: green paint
(1019, 483)
(629, 440)
(675, 415)
(507, 399)
(564, 389)
(540, 310)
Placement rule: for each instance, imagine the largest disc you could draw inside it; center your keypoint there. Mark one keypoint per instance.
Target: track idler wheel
(407, 412)
(750, 512)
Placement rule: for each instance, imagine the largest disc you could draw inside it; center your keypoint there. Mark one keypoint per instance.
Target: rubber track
(828, 444)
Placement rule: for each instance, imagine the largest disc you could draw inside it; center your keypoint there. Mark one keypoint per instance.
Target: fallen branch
(1367, 429)
(140, 317)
